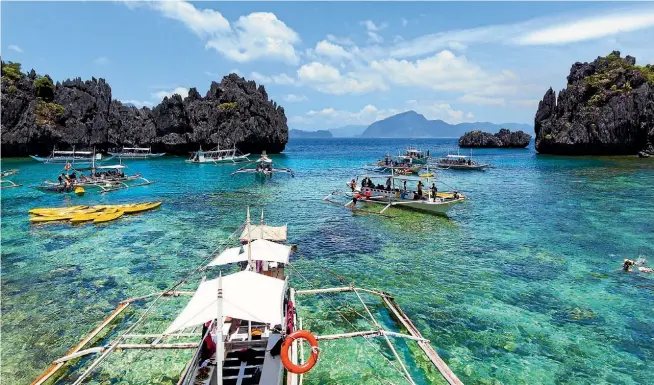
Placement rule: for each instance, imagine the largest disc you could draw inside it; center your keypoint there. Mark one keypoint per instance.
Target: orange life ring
(313, 358)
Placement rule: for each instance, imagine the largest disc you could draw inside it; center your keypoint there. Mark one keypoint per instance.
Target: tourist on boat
(61, 178)
(353, 184)
(420, 188)
(404, 186)
(73, 175)
(388, 184)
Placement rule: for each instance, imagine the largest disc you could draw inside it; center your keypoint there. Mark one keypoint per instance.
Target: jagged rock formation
(37, 114)
(607, 108)
(503, 139)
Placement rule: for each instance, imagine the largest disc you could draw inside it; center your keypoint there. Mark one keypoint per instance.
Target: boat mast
(219, 333)
(249, 241)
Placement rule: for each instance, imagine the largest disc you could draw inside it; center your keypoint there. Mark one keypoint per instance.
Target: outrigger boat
(413, 155)
(104, 178)
(399, 166)
(71, 157)
(460, 162)
(243, 327)
(265, 168)
(136, 153)
(217, 156)
(395, 193)
(5, 183)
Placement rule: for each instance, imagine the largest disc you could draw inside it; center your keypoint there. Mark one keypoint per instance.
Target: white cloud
(293, 98)
(470, 115)
(371, 26)
(528, 104)
(138, 103)
(204, 22)
(594, 27)
(183, 92)
(331, 50)
(212, 74)
(255, 36)
(541, 31)
(102, 60)
(404, 22)
(14, 47)
(373, 37)
(281, 79)
(328, 79)
(445, 72)
(338, 40)
(482, 100)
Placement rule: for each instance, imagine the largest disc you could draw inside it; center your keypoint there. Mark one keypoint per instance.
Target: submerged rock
(607, 108)
(37, 114)
(503, 139)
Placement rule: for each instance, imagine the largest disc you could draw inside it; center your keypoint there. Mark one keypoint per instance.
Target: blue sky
(331, 64)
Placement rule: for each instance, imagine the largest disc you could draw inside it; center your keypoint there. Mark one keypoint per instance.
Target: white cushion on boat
(246, 295)
(261, 250)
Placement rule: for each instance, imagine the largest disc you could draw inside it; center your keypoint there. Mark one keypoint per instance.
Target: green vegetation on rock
(47, 112)
(225, 106)
(11, 71)
(44, 88)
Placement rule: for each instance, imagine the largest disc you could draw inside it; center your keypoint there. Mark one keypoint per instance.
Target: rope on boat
(150, 308)
(404, 375)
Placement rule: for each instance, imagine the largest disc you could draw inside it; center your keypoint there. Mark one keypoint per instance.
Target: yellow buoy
(79, 190)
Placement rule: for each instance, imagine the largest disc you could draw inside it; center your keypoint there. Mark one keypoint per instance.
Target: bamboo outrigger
(264, 308)
(6, 183)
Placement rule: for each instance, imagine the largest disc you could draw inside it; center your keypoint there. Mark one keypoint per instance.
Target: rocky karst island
(502, 139)
(607, 108)
(38, 113)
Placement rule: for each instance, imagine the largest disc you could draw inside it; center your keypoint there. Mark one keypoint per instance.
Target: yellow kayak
(56, 211)
(106, 216)
(140, 207)
(50, 218)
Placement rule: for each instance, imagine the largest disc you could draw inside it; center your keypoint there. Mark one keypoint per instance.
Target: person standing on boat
(434, 191)
(420, 188)
(388, 183)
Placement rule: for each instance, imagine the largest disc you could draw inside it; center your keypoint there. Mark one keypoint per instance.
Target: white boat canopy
(264, 159)
(271, 233)
(246, 295)
(260, 250)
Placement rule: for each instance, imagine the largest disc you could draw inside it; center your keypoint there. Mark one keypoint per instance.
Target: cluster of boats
(407, 181)
(85, 170)
(244, 327)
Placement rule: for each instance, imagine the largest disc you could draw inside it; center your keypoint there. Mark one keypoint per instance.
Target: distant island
(502, 139)
(350, 131)
(607, 108)
(309, 134)
(38, 114)
(411, 124)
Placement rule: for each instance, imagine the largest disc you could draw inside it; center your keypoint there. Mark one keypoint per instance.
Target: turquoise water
(522, 285)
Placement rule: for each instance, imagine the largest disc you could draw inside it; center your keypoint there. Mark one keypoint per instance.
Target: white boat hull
(435, 206)
(463, 166)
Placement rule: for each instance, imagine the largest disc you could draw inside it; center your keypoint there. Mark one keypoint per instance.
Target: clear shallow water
(521, 286)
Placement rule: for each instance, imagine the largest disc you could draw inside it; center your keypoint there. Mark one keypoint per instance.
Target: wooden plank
(54, 367)
(436, 360)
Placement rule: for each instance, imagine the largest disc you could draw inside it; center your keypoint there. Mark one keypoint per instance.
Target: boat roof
(246, 295)
(117, 166)
(137, 148)
(73, 152)
(270, 233)
(260, 250)
(456, 156)
(399, 177)
(264, 159)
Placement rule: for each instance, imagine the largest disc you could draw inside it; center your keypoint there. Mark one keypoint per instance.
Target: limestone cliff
(37, 114)
(503, 139)
(606, 109)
